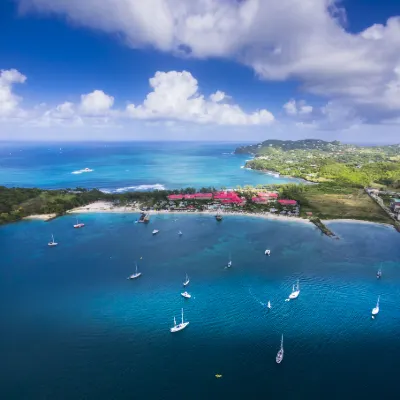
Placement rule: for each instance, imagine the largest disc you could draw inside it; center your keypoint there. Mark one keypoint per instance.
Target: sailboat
(229, 262)
(179, 327)
(180, 233)
(136, 274)
(269, 305)
(78, 225)
(379, 273)
(187, 280)
(52, 243)
(279, 356)
(375, 310)
(295, 291)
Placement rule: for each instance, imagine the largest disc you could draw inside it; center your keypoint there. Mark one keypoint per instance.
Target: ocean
(73, 326)
(119, 167)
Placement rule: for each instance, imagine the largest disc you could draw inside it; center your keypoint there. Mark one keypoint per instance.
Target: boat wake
(82, 171)
(138, 188)
(256, 298)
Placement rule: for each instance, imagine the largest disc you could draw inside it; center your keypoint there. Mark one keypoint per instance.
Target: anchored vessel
(79, 224)
(179, 327)
(279, 356)
(155, 231)
(136, 274)
(52, 243)
(186, 295)
(144, 218)
(295, 291)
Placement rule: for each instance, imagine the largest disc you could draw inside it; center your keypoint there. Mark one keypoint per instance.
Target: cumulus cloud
(176, 95)
(96, 103)
(292, 107)
(9, 102)
(304, 40)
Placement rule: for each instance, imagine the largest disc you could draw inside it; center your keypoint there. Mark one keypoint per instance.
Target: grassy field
(355, 205)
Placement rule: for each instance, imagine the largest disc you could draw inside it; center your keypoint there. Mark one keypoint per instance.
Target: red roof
(268, 194)
(285, 202)
(204, 195)
(190, 196)
(175, 196)
(259, 199)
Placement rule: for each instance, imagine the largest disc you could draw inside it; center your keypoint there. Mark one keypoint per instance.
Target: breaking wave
(138, 188)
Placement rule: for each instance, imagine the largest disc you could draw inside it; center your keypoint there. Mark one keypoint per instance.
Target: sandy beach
(41, 217)
(356, 221)
(102, 206)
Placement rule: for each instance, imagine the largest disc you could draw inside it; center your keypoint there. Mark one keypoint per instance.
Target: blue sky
(80, 70)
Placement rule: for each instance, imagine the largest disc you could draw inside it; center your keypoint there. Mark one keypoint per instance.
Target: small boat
(375, 310)
(279, 356)
(269, 305)
(379, 274)
(229, 262)
(295, 291)
(267, 252)
(52, 243)
(179, 327)
(218, 216)
(155, 231)
(79, 224)
(136, 274)
(187, 280)
(180, 233)
(186, 295)
(144, 218)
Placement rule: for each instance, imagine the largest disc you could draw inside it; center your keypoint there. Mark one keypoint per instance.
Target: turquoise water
(127, 166)
(75, 328)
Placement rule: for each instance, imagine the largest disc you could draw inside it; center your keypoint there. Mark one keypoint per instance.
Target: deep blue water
(73, 326)
(127, 166)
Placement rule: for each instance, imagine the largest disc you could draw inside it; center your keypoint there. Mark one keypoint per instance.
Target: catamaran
(279, 356)
(135, 275)
(52, 243)
(187, 280)
(295, 291)
(78, 225)
(186, 295)
(155, 231)
(375, 310)
(179, 327)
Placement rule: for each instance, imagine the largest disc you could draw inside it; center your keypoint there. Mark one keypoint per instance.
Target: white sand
(41, 217)
(355, 221)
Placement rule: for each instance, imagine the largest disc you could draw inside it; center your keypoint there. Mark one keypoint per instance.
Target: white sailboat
(267, 252)
(187, 280)
(229, 262)
(52, 243)
(186, 295)
(136, 274)
(279, 356)
(79, 224)
(179, 327)
(269, 305)
(180, 233)
(155, 231)
(375, 310)
(295, 291)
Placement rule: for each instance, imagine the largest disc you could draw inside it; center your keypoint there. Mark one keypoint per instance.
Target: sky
(234, 70)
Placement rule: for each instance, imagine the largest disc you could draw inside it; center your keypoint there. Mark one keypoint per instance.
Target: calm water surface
(73, 326)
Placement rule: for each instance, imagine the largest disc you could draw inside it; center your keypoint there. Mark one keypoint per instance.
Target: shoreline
(356, 221)
(40, 217)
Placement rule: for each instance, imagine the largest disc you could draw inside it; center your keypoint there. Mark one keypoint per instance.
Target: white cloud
(176, 95)
(96, 103)
(9, 102)
(292, 107)
(286, 39)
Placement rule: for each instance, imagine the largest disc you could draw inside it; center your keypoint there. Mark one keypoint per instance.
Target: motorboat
(186, 295)
(179, 327)
(269, 305)
(155, 231)
(79, 224)
(187, 280)
(375, 310)
(279, 356)
(52, 243)
(267, 252)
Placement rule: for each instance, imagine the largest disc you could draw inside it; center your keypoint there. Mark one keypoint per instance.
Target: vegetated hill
(286, 145)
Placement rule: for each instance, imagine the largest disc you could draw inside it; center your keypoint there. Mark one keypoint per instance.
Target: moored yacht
(179, 327)
(379, 274)
(279, 356)
(155, 231)
(295, 291)
(52, 243)
(79, 224)
(186, 295)
(229, 262)
(267, 252)
(136, 274)
(375, 310)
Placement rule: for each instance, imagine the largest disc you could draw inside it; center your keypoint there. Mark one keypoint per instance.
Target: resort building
(228, 198)
(265, 197)
(285, 202)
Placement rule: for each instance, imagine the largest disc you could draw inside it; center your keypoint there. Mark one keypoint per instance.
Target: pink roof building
(205, 196)
(189, 196)
(271, 195)
(285, 202)
(175, 197)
